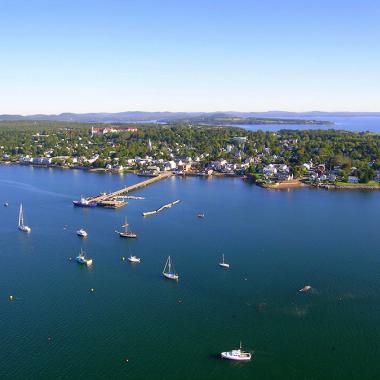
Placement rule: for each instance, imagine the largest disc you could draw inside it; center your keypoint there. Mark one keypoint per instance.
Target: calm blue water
(354, 124)
(275, 241)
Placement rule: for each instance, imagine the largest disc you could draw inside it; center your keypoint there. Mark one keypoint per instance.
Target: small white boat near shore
(237, 355)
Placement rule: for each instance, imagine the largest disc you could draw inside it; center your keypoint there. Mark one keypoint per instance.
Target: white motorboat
(238, 355)
(82, 233)
(223, 264)
(169, 271)
(134, 259)
(306, 288)
(82, 259)
(21, 226)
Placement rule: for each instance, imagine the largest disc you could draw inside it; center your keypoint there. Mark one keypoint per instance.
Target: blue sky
(209, 55)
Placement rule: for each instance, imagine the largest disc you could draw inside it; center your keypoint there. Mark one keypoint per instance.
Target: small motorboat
(82, 259)
(134, 259)
(238, 355)
(306, 288)
(6, 204)
(223, 264)
(201, 215)
(82, 233)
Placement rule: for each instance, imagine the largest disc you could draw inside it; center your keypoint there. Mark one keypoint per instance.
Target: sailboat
(168, 271)
(21, 226)
(126, 233)
(223, 263)
(82, 259)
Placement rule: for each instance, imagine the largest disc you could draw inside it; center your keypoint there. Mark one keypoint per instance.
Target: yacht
(169, 271)
(126, 233)
(201, 215)
(223, 263)
(134, 259)
(21, 226)
(82, 233)
(82, 259)
(238, 355)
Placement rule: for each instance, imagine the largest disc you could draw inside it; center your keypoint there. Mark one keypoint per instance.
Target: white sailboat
(126, 233)
(238, 355)
(169, 271)
(21, 226)
(223, 263)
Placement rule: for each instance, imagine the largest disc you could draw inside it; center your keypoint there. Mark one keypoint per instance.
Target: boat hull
(87, 262)
(128, 236)
(25, 229)
(80, 204)
(229, 356)
(171, 276)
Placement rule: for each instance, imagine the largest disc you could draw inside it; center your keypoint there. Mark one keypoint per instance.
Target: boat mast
(166, 264)
(169, 265)
(126, 225)
(20, 217)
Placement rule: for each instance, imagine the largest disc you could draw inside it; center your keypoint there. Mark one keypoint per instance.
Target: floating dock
(113, 200)
(148, 213)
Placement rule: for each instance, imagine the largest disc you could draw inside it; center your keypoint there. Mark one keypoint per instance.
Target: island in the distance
(234, 120)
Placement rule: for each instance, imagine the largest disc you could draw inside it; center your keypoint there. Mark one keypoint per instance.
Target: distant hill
(140, 116)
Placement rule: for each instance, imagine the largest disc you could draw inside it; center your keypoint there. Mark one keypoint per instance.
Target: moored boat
(238, 355)
(82, 259)
(81, 232)
(223, 264)
(134, 259)
(126, 233)
(169, 271)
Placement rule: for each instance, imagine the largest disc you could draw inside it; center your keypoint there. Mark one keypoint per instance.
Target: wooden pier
(110, 201)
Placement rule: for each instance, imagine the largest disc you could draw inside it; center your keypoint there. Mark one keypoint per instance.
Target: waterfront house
(353, 179)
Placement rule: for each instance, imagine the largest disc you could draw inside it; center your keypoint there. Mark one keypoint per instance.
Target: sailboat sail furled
(126, 233)
(169, 271)
(21, 225)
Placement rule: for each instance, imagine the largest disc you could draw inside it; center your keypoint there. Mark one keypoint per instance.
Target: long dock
(108, 200)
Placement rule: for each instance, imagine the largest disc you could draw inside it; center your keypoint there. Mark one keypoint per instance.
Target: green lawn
(370, 183)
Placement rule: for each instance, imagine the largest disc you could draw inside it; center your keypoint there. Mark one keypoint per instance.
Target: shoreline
(292, 184)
